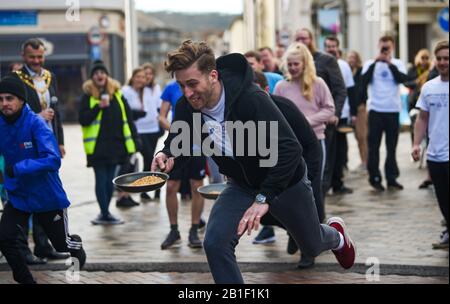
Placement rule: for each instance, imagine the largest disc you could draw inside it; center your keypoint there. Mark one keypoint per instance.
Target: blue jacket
(30, 147)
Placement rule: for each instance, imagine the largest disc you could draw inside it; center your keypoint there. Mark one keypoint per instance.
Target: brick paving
(287, 277)
(397, 228)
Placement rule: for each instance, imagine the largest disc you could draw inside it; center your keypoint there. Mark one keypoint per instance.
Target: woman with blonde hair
(312, 97)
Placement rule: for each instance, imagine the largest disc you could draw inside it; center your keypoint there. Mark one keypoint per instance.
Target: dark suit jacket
(35, 104)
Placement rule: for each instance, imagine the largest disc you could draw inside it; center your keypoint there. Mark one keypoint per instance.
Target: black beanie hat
(14, 86)
(98, 65)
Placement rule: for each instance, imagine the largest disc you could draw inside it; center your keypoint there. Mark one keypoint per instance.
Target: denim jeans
(294, 208)
(104, 187)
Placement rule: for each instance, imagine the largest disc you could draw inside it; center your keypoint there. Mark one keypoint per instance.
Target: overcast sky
(191, 6)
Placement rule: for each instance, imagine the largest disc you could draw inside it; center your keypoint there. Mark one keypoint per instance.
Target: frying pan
(123, 182)
(206, 191)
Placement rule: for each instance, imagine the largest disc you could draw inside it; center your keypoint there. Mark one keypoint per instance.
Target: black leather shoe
(342, 190)
(54, 255)
(378, 187)
(34, 260)
(394, 185)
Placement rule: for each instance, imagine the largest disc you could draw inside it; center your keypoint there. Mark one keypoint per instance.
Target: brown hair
(313, 47)
(387, 38)
(149, 66)
(261, 80)
(441, 46)
(135, 71)
(266, 48)
(333, 38)
(189, 53)
(253, 54)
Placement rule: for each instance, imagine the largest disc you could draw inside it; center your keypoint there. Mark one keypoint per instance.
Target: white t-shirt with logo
(434, 100)
(347, 74)
(384, 91)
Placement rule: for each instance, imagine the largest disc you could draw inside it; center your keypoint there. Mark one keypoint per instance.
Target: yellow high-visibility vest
(90, 133)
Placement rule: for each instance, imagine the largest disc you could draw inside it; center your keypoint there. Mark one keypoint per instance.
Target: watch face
(260, 198)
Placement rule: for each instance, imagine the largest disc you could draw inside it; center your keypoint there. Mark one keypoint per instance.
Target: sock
(194, 227)
(174, 227)
(341, 242)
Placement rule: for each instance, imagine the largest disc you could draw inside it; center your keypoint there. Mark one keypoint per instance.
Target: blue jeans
(294, 208)
(104, 187)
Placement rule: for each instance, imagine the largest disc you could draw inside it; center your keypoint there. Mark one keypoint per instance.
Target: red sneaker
(346, 255)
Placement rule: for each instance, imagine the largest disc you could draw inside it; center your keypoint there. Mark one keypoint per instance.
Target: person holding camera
(383, 76)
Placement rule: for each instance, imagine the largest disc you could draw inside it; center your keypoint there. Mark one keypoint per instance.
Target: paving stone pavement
(286, 277)
(393, 228)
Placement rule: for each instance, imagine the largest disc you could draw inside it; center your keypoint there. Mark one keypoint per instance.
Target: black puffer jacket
(245, 102)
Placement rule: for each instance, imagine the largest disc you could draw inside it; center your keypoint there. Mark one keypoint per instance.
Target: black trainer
(194, 240)
(378, 187)
(145, 197)
(126, 202)
(172, 238)
(394, 185)
(342, 190)
(76, 249)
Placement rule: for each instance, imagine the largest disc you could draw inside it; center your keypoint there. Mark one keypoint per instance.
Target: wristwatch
(260, 199)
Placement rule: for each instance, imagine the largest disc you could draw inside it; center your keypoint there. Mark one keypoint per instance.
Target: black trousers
(13, 224)
(439, 176)
(379, 123)
(42, 246)
(330, 161)
(341, 160)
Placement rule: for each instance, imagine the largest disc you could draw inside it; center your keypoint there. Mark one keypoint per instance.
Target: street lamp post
(131, 43)
(403, 25)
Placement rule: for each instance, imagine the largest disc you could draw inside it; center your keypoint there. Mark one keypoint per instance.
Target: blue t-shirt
(272, 79)
(172, 93)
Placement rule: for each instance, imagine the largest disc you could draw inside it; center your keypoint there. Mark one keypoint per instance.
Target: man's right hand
(47, 114)
(416, 153)
(163, 163)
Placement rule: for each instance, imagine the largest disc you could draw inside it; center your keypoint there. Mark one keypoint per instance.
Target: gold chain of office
(47, 77)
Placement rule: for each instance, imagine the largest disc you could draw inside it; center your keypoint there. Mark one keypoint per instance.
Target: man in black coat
(41, 91)
(219, 97)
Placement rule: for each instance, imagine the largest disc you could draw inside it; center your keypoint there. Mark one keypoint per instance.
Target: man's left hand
(252, 218)
(62, 150)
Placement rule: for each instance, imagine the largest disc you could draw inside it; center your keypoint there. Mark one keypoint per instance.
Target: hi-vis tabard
(90, 133)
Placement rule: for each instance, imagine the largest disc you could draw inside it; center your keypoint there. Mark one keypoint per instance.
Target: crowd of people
(317, 98)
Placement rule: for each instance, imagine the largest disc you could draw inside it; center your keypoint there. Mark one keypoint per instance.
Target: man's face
(10, 104)
(442, 62)
(266, 57)
(386, 47)
(332, 48)
(255, 64)
(303, 37)
(197, 87)
(34, 59)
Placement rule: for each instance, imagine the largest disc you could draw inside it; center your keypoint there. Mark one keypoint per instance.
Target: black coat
(35, 104)
(110, 147)
(328, 69)
(247, 102)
